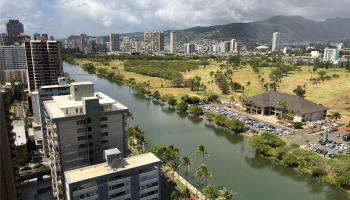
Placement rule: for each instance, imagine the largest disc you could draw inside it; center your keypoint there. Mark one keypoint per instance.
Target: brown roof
(293, 102)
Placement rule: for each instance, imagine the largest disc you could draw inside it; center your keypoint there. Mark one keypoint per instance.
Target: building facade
(153, 41)
(79, 127)
(136, 177)
(172, 42)
(275, 41)
(114, 42)
(44, 63)
(45, 93)
(233, 45)
(189, 48)
(331, 55)
(13, 64)
(14, 27)
(8, 158)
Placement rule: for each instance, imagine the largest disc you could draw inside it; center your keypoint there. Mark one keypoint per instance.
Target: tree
(322, 74)
(201, 152)
(203, 173)
(298, 125)
(299, 91)
(182, 106)
(236, 86)
(282, 105)
(177, 81)
(185, 162)
(336, 115)
(210, 192)
(174, 166)
(225, 194)
(291, 160)
(175, 195)
(196, 110)
(171, 100)
(156, 94)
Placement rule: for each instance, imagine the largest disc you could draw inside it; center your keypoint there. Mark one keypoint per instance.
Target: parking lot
(253, 125)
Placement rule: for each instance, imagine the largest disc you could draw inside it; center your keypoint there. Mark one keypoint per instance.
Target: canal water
(231, 160)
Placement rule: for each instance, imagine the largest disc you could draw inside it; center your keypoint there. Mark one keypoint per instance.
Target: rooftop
(93, 171)
(18, 129)
(293, 102)
(55, 107)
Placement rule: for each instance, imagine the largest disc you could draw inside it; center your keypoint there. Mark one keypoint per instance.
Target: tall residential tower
(275, 41)
(114, 42)
(172, 42)
(44, 63)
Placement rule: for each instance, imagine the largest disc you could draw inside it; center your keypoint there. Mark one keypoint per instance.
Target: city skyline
(140, 16)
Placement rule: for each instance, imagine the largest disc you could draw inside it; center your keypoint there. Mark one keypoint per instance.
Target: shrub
(182, 106)
(196, 110)
(298, 125)
(290, 160)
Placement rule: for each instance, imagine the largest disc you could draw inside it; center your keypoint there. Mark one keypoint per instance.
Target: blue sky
(99, 17)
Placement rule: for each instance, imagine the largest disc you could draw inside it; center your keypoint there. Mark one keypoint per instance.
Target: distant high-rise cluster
(230, 46)
(275, 41)
(153, 41)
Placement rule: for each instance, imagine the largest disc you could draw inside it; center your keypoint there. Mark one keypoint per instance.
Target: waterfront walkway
(189, 186)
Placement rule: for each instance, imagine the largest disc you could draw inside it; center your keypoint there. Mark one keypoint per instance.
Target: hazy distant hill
(292, 28)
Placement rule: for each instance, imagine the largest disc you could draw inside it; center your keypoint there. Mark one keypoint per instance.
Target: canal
(231, 160)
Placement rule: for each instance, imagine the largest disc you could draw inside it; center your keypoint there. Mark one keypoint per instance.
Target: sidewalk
(189, 186)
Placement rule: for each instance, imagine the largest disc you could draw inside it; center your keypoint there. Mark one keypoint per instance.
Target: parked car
(346, 137)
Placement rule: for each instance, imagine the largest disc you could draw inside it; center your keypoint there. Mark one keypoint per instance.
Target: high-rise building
(79, 127)
(14, 27)
(12, 64)
(275, 41)
(126, 44)
(172, 42)
(8, 173)
(153, 41)
(82, 42)
(331, 55)
(226, 47)
(45, 93)
(136, 177)
(189, 48)
(114, 42)
(233, 45)
(14, 33)
(44, 63)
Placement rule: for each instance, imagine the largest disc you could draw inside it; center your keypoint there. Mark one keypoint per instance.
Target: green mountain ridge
(292, 28)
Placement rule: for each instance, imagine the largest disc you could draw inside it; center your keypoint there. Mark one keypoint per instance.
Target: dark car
(346, 137)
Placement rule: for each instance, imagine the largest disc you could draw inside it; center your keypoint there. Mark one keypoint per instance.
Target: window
(80, 130)
(80, 122)
(81, 146)
(104, 134)
(104, 125)
(90, 136)
(89, 128)
(80, 138)
(81, 110)
(66, 111)
(76, 110)
(88, 120)
(103, 119)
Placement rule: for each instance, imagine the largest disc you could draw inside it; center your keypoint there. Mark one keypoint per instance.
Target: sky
(62, 18)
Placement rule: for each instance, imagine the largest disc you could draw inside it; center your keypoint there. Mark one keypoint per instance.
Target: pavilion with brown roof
(276, 103)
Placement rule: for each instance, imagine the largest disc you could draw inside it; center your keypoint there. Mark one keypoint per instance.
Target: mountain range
(292, 28)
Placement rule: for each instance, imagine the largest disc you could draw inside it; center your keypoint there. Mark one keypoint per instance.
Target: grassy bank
(333, 92)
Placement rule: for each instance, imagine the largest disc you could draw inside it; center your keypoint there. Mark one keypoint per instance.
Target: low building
(295, 107)
(20, 140)
(135, 177)
(45, 93)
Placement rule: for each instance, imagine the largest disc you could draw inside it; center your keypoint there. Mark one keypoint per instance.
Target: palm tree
(225, 194)
(174, 166)
(282, 105)
(186, 163)
(202, 174)
(210, 192)
(201, 152)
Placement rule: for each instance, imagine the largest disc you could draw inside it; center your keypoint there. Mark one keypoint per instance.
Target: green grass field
(333, 93)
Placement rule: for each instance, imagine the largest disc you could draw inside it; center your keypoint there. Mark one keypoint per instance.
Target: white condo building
(136, 177)
(80, 126)
(275, 41)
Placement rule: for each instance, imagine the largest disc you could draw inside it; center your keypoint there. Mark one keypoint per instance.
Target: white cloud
(98, 17)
